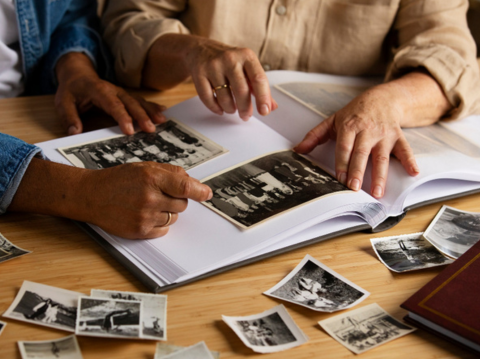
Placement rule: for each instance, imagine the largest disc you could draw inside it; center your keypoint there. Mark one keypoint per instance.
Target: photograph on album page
(154, 311)
(172, 142)
(8, 250)
(408, 252)
(2, 326)
(45, 305)
(264, 187)
(271, 331)
(104, 317)
(313, 285)
(453, 231)
(364, 328)
(197, 351)
(326, 99)
(62, 348)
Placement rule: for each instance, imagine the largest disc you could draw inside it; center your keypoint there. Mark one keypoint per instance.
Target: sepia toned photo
(267, 186)
(45, 305)
(268, 332)
(324, 99)
(100, 317)
(2, 326)
(154, 311)
(408, 252)
(63, 348)
(197, 351)
(364, 328)
(453, 231)
(172, 142)
(9, 251)
(164, 349)
(315, 286)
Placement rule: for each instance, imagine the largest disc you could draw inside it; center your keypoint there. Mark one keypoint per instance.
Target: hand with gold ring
(169, 220)
(225, 77)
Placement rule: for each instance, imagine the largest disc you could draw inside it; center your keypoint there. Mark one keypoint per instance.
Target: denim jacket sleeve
(15, 156)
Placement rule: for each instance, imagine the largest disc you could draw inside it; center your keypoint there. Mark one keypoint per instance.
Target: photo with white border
(197, 351)
(2, 326)
(63, 348)
(8, 250)
(163, 349)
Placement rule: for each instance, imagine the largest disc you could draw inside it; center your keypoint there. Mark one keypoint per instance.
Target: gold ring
(224, 86)
(169, 220)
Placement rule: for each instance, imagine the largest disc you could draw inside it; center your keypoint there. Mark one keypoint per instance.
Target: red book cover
(452, 299)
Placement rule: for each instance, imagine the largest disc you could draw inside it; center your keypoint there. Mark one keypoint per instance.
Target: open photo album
(268, 199)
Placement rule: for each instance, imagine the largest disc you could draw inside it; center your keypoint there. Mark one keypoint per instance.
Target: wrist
(72, 66)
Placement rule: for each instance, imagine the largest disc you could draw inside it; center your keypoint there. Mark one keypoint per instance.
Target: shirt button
(281, 10)
(266, 67)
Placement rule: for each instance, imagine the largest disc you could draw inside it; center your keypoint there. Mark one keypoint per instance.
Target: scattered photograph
(408, 252)
(8, 250)
(164, 349)
(2, 326)
(45, 305)
(154, 311)
(315, 286)
(268, 332)
(172, 142)
(453, 231)
(102, 317)
(197, 351)
(260, 189)
(324, 99)
(63, 348)
(364, 328)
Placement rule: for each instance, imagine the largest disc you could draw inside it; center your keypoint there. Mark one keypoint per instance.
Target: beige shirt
(343, 37)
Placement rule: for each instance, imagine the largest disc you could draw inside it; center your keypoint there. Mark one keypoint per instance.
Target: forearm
(53, 189)
(419, 97)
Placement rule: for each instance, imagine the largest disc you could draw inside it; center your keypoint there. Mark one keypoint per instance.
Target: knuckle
(381, 159)
(185, 187)
(362, 151)
(344, 147)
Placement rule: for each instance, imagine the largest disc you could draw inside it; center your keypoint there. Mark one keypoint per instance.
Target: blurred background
(473, 17)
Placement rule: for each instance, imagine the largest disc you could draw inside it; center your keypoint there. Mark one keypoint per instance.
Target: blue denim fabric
(15, 156)
(49, 29)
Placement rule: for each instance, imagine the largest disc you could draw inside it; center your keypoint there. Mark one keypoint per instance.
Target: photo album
(267, 199)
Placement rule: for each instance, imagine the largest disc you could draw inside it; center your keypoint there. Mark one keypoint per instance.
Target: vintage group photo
(315, 286)
(172, 142)
(262, 188)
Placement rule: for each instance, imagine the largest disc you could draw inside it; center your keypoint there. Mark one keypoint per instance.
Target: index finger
(260, 87)
(178, 186)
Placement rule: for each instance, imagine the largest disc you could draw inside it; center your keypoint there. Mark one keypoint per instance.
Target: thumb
(181, 186)
(316, 136)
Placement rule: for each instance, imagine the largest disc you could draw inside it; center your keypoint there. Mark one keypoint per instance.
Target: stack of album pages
(267, 199)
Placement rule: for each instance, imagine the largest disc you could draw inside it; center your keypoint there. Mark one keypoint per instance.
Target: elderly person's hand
(80, 88)
(134, 200)
(225, 77)
(371, 125)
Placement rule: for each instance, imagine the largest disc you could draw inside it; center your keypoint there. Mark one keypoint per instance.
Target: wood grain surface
(66, 257)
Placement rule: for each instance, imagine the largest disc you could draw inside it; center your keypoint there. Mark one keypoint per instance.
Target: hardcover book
(256, 176)
(448, 304)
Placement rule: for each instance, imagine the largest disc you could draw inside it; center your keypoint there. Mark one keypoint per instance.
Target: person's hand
(369, 125)
(132, 200)
(80, 88)
(225, 77)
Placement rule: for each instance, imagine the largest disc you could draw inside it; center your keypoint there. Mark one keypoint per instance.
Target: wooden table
(64, 256)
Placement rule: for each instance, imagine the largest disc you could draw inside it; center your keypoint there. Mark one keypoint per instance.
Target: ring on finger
(169, 220)
(224, 86)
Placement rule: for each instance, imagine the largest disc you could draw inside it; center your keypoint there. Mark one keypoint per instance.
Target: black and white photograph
(408, 252)
(8, 250)
(453, 231)
(154, 311)
(2, 326)
(45, 305)
(172, 142)
(262, 188)
(163, 349)
(322, 98)
(364, 328)
(271, 331)
(63, 348)
(315, 286)
(197, 351)
(102, 317)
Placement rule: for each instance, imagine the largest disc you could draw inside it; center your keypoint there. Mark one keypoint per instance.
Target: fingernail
(355, 184)
(378, 191)
(245, 118)
(210, 194)
(129, 128)
(264, 110)
(72, 130)
(342, 178)
(415, 169)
